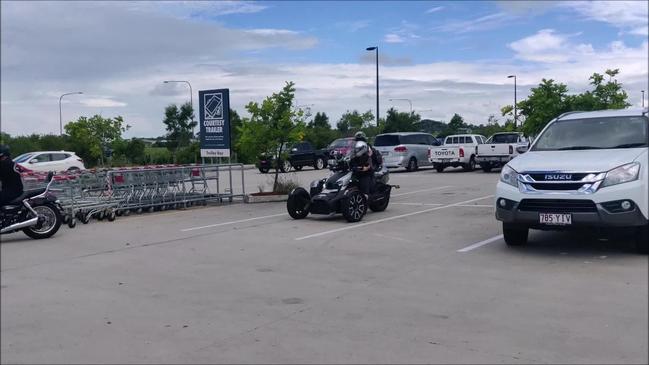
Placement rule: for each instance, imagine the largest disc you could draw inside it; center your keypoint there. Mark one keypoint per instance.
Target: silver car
(405, 149)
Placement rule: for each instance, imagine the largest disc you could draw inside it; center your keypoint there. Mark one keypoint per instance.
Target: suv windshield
(387, 140)
(24, 157)
(504, 138)
(594, 133)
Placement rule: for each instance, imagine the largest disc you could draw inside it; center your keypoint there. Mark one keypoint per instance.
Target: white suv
(46, 161)
(585, 169)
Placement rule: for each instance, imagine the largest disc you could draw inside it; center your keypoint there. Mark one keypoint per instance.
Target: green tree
(400, 122)
(549, 100)
(235, 132)
(546, 101)
(271, 125)
(319, 132)
(609, 95)
(91, 137)
(179, 124)
(135, 151)
(455, 125)
(352, 122)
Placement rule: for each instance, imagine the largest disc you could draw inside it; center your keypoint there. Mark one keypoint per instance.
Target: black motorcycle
(339, 193)
(36, 212)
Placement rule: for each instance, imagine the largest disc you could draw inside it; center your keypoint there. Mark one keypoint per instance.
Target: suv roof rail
(568, 113)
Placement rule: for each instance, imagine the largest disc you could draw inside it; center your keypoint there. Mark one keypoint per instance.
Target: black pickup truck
(299, 155)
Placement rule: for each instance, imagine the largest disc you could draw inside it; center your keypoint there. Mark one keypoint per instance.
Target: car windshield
(594, 133)
(24, 157)
(504, 138)
(387, 140)
(341, 142)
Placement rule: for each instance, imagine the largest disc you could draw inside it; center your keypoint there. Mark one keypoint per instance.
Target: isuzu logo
(558, 177)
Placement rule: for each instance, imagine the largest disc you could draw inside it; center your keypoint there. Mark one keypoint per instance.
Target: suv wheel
(515, 235)
(319, 163)
(486, 167)
(412, 164)
(469, 166)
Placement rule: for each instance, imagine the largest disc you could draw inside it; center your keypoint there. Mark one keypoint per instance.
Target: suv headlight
(622, 174)
(509, 176)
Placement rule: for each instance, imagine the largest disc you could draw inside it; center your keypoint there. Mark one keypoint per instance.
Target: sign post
(214, 117)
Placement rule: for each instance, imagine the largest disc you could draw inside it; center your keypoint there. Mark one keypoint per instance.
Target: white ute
(457, 150)
(585, 170)
(500, 149)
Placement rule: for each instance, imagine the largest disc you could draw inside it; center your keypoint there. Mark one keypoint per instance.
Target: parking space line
(419, 204)
(476, 205)
(481, 243)
(232, 222)
(359, 225)
(420, 191)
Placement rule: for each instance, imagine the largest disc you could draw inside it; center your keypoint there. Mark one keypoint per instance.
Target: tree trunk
(277, 162)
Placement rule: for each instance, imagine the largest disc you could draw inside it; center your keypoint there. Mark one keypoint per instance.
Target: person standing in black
(12, 184)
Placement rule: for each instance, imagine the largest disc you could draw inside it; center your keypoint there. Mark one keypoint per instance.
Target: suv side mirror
(33, 160)
(522, 149)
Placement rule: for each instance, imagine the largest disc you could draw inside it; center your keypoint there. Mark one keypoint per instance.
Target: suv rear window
(504, 138)
(387, 140)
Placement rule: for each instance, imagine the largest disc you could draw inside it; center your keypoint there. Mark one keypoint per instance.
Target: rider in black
(361, 165)
(377, 159)
(12, 184)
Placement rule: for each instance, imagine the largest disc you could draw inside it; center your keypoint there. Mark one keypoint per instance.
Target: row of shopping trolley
(108, 193)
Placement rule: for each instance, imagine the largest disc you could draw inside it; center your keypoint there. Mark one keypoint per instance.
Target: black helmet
(360, 136)
(4, 151)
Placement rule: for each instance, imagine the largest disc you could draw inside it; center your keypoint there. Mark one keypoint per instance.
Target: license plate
(385, 153)
(555, 219)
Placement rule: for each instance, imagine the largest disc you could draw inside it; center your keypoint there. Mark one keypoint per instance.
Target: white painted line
(481, 243)
(420, 191)
(419, 204)
(476, 205)
(233, 222)
(359, 225)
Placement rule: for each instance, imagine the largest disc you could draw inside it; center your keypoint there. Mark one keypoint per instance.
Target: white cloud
(434, 10)
(629, 16)
(353, 26)
(487, 22)
(197, 9)
(101, 103)
(550, 47)
(42, 57)
(393, 38)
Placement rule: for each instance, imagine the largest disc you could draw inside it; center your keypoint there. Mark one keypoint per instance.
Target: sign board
(214, 118)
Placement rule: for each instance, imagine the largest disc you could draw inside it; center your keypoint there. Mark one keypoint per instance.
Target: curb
(265, 198)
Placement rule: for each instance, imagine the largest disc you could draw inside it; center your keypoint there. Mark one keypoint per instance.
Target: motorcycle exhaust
(21, 225)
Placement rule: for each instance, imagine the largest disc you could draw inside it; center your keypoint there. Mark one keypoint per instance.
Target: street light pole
(642, 98)
(61, 110)
(191, 97)
(377, 81)
(409, 102)
(515, 111)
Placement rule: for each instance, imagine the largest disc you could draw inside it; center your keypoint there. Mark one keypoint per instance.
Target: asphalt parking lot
(428, 280)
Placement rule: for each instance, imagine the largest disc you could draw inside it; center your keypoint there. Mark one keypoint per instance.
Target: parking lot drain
(292, 301)
(265, 269)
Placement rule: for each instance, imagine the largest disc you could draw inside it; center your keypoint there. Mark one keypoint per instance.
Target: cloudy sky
(447, 57)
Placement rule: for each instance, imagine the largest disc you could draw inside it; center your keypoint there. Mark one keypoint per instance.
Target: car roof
(401, 133)
(463, 135)
(508, 133)
(52, 152)
(630, 112)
